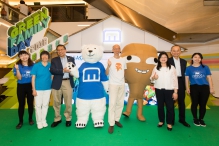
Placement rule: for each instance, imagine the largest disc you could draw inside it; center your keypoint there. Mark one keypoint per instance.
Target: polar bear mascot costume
(92, 83)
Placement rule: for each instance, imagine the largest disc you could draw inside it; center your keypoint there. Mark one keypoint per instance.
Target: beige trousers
(67, 91)
(116, 103)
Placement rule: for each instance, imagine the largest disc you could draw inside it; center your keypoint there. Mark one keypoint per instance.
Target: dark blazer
(183, 64)
(56, 69)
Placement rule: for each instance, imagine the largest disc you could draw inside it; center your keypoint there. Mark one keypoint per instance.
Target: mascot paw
(141, 118)
(80, 124)
(126, 114)
(98, 123)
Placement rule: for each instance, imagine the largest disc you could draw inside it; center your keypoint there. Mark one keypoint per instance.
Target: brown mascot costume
(141, 59)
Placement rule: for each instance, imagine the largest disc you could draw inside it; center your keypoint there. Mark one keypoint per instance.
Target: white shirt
(23, 9)
(116, 71)
(177, 66)
(167, 78)
(64, 62)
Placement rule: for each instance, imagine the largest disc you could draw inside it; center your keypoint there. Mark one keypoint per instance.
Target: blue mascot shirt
(90, 81)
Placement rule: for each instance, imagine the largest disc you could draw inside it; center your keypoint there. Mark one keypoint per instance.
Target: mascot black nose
(90, 51)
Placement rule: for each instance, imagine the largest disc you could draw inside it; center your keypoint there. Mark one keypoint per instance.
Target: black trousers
(165, 97)
(181, 99)
(199, 95)
(25, 91)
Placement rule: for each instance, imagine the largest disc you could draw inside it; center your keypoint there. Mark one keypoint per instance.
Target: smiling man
(62, 84)
(115, 70)
(180, 65)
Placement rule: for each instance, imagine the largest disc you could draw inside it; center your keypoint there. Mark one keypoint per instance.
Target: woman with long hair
(22, 71)
(41, 84)
(166, 85)
(200, 87)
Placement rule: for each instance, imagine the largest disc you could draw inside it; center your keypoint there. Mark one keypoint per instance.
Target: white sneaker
(45, 124)
(39, 126)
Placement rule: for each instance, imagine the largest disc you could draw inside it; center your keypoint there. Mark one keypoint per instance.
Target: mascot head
(92, 53)
(141, 59)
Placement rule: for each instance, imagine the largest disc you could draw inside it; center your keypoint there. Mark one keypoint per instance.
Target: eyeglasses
(60, 50)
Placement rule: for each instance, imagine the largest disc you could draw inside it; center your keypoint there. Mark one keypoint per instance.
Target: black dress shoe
(159, 125)
(54, 124)
(185, 123)
(68, 123)
(19, 125)
(169, 129)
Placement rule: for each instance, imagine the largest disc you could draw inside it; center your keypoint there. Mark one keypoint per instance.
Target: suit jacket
(56, 69)
(183, 64)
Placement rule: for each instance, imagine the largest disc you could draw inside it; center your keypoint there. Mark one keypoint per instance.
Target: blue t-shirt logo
(198, 75)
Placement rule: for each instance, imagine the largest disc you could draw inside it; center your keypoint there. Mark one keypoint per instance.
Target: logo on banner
(111, 36)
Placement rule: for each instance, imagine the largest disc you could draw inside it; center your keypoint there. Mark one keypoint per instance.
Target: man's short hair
(176, 46)
(60, 46)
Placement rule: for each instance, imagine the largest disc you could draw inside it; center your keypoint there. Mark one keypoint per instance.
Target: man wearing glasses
(62, 84)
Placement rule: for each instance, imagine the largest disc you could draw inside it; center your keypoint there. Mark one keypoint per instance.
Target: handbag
(3, 12)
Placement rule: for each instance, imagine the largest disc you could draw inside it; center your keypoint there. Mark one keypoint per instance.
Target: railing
(65, 13)
(58, 13)
(12, 13)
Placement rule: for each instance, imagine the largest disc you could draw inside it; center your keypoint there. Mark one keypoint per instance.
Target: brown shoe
(110, 129)
(118, 124)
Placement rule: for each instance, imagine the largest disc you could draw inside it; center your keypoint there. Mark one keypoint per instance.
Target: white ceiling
(181, 16)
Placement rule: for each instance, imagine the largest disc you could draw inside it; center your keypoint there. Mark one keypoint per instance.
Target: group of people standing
(37, 81)
(171, 78)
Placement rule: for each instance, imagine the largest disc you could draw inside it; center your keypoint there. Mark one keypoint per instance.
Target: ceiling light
(84, 25)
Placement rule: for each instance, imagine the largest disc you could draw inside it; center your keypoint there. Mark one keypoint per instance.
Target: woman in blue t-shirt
(201, 86)
(22, 71)
(41, 84)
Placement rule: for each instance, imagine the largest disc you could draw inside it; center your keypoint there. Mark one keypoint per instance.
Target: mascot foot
(141, 118)
(126, 114)
(80, 124)
(98, 123)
